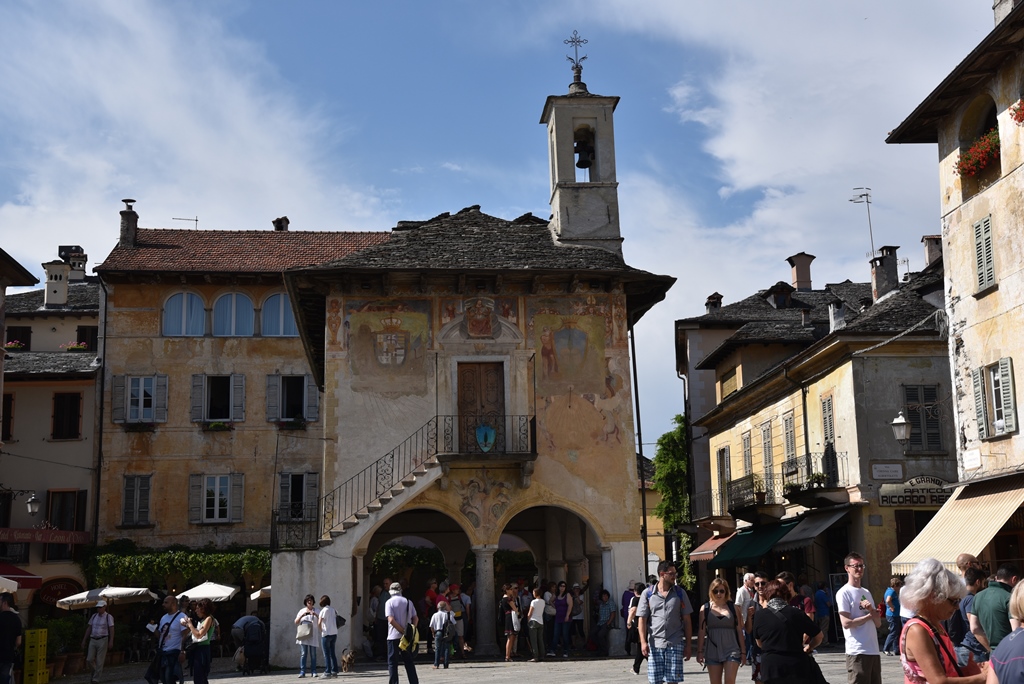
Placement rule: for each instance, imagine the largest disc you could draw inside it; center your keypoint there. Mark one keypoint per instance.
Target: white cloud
(451, 166)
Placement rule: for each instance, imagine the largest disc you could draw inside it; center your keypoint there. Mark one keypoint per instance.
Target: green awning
(747, 546)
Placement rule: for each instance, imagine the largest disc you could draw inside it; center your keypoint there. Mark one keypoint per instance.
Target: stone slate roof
(761, 323)
(241, 251)
(473, 241)
(83, 297)
(36, 364)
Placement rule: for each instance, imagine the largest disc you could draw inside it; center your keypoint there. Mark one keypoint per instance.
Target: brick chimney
(801, 264)
(884, 273)
(129, 224)
(713, 303)
(1001, 8)
(932, 248)
(281, 224)
(56, 293)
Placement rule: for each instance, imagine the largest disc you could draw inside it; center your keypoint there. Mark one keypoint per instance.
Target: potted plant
(298, 423)
(817, 480)
(760, 493)
(218, 426)
(75, 346)
(1017, 112)
(14, 345)
(979, 155)
(791, 489)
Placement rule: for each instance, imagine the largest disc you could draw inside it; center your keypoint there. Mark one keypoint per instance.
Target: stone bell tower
(581, 148)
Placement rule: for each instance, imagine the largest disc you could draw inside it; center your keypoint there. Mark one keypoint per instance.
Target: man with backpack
(664, 610)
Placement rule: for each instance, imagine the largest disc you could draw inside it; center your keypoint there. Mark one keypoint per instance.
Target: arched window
(184, 316)
(278, 320)
(233, 316)
(978, 163)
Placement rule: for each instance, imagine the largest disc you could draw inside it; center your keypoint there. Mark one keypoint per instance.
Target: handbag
(515, 621)
(304, 630)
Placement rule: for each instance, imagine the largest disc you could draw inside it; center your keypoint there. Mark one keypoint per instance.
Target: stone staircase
(409, 486)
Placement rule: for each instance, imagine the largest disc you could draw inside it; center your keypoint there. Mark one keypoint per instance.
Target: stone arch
(978, 118)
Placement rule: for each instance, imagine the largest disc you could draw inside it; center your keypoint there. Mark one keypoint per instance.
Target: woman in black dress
(786, 637)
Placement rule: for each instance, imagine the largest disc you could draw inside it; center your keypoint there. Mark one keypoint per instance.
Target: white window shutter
(237, 496)
(160, 399)
(195, 498)
(273, 398)
(312, 400)
(1006, 389)
(117, 402)
(198, 397)
(980, 408)
(237, 397)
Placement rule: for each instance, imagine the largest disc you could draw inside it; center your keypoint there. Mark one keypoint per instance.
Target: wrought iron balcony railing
(825, 469)
(755, 489)
(708, 504)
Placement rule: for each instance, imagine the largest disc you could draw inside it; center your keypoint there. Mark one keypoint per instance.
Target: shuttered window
(748, 455)
(920, 405)
(995, 405)
(136, 500)
(983, 253)
(766, 452)
(218, 398)
(729, 382)
(216, 498)
(138, 399)
(299, 492)
(292, 397)
(828, 426)
(789, 430)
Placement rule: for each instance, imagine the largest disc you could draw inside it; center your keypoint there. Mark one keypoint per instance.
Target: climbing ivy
(122, 563)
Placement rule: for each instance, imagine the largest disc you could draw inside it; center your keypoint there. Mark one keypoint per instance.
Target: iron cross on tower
(577, 62)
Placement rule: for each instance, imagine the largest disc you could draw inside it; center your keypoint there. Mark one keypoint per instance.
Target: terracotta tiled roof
(242, 251)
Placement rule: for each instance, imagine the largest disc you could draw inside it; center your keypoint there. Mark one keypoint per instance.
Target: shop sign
(52, 591)
(12, 535)
(918, 491)
(887, 471)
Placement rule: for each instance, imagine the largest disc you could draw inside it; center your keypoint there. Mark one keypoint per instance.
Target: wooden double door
(481, 405)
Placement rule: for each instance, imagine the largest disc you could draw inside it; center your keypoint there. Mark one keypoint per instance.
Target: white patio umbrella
(260, 593)
(112, 595)
(211, 590)
(7, 584)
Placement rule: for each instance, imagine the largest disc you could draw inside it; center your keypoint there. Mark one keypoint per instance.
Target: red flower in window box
(979, 155)
(1017, 112)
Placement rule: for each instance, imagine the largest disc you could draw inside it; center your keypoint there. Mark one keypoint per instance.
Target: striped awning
(809, 527)
(966, 523)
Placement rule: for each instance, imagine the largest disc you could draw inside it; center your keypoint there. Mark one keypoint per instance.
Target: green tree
(671, 466)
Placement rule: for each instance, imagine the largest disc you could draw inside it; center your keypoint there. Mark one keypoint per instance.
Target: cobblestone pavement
(583, 670)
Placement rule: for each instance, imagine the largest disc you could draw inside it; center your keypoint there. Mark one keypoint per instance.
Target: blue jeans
(170, 668)
(394, 655)
(563, 638)
(6, 673)
(201, 664)
(330, 654)
(307, 650)
(440, 645)
(963, 654)
(892, 640)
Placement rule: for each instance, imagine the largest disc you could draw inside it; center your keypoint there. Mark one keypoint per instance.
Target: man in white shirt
(400, 612)
(746, 596)
(99, 634)
(172, 653)
(860, 621)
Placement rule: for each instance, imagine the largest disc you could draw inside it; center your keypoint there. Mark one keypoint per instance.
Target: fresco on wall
(483, 498)
(570, 341)
(387, 342)
(587, 422)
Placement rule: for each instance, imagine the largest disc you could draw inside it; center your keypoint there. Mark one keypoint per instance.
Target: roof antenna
(863, 196)
(196, 220)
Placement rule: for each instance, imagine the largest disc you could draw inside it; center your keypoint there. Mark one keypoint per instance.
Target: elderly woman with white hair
(927, 653)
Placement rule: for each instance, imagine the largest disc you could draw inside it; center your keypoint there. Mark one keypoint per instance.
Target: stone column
(553, 522)
(484, 601)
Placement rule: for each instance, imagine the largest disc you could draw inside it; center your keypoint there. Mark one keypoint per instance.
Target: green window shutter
(983, 253)
(312, 493)
(128, 510)
(1006, 389)
(237, 397)
(285, 503)
(980, 409)
(273, 398)
(790, 436)
(828, 428)
(312, 400)
(195, 499)
(931, 419)
(237, 490)
(198, 397)
(117, 399)
(915, 415)
(160, 399)
(142, 515)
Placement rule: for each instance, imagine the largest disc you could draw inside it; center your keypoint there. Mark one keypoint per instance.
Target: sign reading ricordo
(918, 491)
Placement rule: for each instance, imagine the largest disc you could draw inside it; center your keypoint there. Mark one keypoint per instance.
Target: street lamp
(32, 505)
(901, 429)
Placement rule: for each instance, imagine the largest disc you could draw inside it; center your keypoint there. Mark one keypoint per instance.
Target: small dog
(348, 659)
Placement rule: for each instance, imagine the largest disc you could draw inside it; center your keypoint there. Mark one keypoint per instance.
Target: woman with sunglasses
(563, 620)
(760, 602)
(720, 635)
(927, 653)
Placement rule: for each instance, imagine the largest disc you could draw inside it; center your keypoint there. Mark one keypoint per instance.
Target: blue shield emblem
(485, 435)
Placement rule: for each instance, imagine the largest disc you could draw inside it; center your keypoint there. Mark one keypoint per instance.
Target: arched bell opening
(585, 152)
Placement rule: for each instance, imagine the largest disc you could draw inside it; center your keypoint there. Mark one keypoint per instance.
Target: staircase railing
(376, 479)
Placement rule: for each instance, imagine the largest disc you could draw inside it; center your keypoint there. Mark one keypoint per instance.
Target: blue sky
(742, 129)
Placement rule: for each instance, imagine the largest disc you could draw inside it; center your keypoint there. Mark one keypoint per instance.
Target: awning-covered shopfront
(966, 523)
(809, 527)
(708, 549)
(746, 547)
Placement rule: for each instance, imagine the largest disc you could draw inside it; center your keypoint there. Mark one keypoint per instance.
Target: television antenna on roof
(863, 196)
(196, 220)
